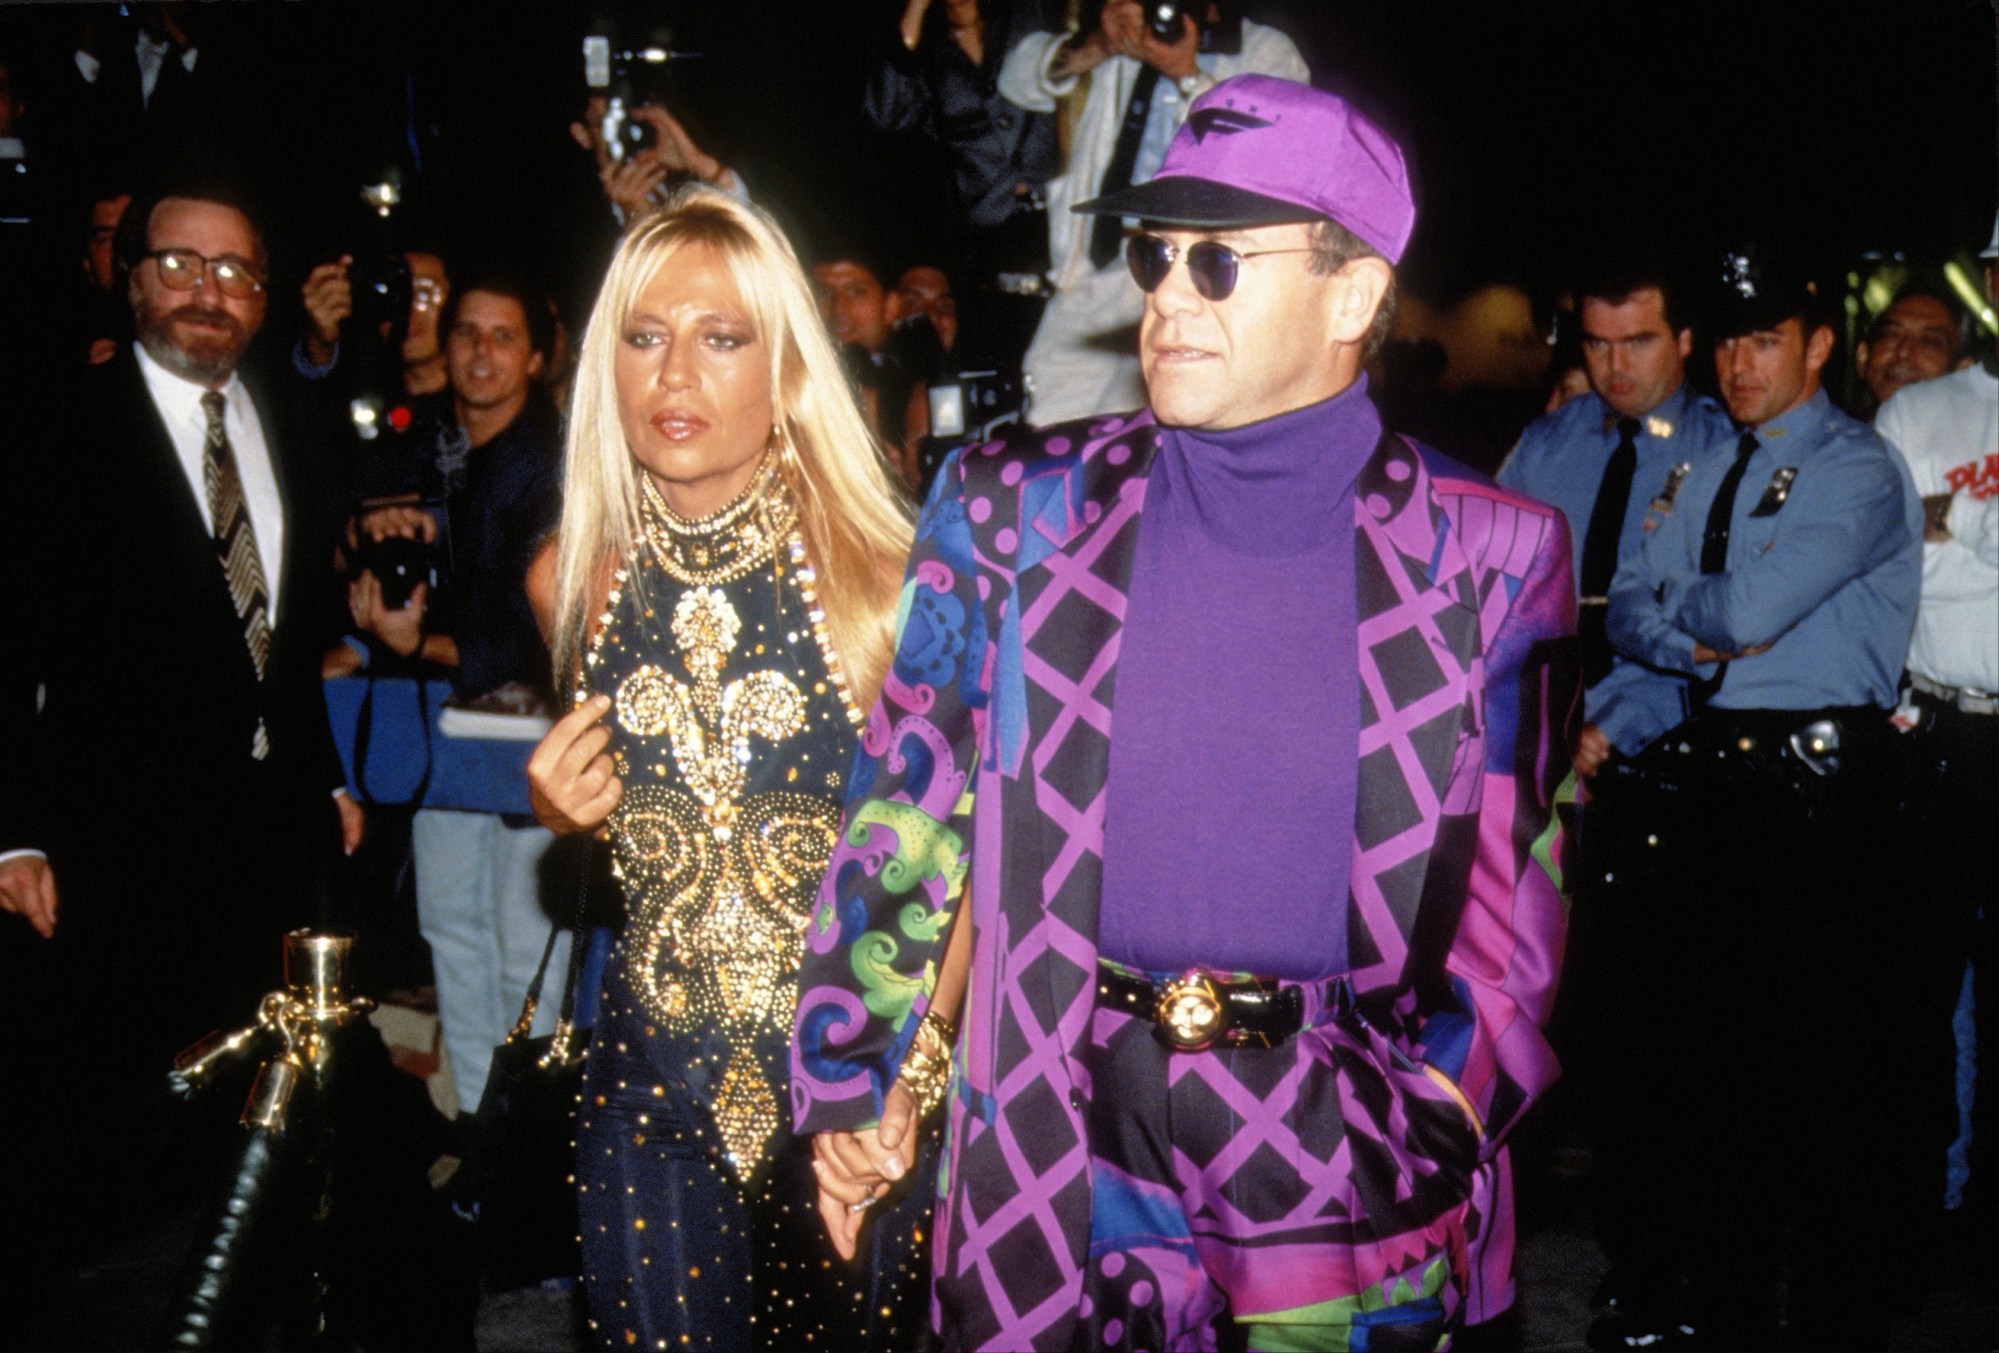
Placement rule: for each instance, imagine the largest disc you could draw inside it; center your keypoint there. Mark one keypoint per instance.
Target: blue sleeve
(1845, 518)
(1643, 597)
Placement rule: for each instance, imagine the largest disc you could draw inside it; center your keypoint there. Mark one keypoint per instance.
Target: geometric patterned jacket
(985, 762)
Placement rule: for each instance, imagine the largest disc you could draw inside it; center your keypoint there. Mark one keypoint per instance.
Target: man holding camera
(480, 490)
(328, 296)
(1236, 724)
(1145, 65)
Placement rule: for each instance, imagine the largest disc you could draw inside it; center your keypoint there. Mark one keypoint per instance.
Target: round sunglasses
(1214, 267)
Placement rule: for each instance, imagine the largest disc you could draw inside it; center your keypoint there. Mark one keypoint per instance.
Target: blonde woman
(725, 582)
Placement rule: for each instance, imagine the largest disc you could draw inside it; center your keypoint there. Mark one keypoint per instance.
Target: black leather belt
(1196, 1010)
(1785, 744)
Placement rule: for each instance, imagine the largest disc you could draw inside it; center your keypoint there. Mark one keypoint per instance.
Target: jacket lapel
(1078, 519)
(1418, 645)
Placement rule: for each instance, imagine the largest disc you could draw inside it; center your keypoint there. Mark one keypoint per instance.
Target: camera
(381, 287)
(629, 76)
(1219, 23)
(966, 410)
(398, 564)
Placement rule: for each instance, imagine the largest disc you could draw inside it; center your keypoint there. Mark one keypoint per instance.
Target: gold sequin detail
(718, 928)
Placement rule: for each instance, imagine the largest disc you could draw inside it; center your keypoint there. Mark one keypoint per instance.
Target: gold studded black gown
(732, 732)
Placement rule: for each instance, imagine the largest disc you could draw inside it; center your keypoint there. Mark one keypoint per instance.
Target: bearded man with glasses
(1238, 725)
(168, 784)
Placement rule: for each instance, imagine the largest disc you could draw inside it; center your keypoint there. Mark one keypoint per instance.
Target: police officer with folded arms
(1784, 585)
(1613, 461)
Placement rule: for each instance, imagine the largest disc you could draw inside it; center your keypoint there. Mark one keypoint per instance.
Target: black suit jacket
(134, 773)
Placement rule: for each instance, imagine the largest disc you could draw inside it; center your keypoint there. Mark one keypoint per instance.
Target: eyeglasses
(1212, 266)
(183, 269)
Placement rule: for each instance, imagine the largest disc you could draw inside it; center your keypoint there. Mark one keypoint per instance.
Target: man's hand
(572, 784)
(855, 1169)
(329, 300)
(1592, 750)
(675, 148)
(1086, 51)
(397, 519)
(912, 22)
(353, 824)
(1936, 518)
(630, 185)
(1702, 653)
(1175, 59)
(401, 628)
(28, 889)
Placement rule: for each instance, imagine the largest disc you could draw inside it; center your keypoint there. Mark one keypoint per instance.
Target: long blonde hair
(855, 524)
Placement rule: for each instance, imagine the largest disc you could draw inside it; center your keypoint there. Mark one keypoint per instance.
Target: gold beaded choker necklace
(725, 544)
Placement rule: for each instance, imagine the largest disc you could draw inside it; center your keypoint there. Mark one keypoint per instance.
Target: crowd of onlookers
(394, 459)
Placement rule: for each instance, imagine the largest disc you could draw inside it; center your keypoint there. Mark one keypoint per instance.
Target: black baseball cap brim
(1180, 200)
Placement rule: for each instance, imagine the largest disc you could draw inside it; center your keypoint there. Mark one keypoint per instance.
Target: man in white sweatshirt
(1948, 431)
(1084, 358)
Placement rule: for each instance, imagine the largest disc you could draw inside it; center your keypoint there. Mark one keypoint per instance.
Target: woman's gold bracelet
(926, 1067)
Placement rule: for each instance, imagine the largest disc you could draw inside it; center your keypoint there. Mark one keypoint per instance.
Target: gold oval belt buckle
(1191, 1014)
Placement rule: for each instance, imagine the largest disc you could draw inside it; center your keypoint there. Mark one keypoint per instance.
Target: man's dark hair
(1616, 280)
(533, 303)
(133, 239)
(1938, 290)
(860, 255)
(1333, 247)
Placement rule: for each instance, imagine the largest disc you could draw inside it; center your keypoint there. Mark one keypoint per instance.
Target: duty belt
(1964, 699)
(1817, 744)
(1197, 1010)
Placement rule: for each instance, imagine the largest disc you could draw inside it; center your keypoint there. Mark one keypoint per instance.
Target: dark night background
(1844, 129)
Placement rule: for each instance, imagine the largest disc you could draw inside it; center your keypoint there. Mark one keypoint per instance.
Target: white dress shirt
(179, 402)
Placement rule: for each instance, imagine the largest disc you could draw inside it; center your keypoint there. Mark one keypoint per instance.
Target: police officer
(1784, 585)
(1613, 461)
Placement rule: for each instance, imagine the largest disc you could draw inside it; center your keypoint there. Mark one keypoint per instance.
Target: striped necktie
(236, 547)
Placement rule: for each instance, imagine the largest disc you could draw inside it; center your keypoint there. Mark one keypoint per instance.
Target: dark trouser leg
(1785, 997)
(1635, 1052)
(1950, 856)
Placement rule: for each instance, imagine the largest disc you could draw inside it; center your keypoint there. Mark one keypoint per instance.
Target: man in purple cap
(1234, 726)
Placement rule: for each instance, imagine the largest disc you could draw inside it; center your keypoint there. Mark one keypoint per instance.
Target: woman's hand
(856, 1169)
(572, 784)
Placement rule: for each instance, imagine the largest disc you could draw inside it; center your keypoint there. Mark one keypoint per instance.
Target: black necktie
(1714, 546)
(1109, 230)
(1714, 540)
(1606, 525)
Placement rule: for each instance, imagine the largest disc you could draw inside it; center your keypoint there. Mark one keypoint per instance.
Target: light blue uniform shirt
(1560, 459)
(1824, 564)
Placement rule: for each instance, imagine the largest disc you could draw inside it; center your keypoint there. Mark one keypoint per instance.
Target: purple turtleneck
(1228, 821)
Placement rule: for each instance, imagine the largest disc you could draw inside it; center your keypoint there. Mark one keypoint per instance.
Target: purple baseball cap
(1256, 150)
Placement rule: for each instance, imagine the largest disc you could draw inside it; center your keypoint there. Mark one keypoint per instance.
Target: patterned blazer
(985, 763)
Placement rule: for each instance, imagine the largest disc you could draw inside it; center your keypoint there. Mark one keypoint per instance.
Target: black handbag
(524, 1136)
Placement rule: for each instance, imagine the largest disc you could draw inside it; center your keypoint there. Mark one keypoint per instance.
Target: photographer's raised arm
(329, 299)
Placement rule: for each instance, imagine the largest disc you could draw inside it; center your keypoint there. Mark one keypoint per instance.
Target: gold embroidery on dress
(720, 883)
